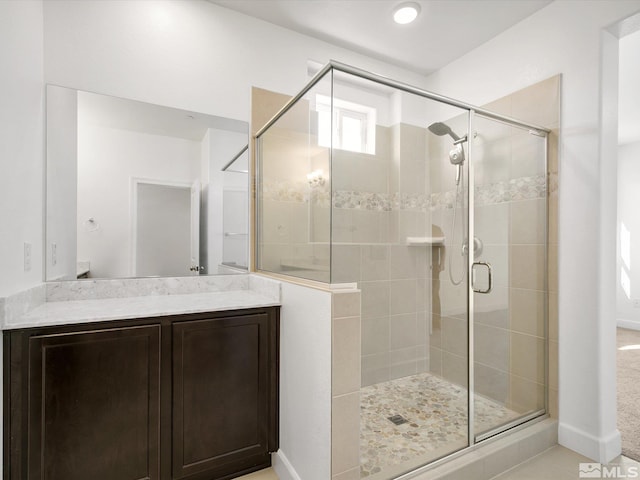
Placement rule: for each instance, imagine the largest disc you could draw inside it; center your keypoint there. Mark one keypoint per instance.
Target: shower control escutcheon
(489, 277)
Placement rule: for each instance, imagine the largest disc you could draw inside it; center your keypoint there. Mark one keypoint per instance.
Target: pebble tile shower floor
(436, 414)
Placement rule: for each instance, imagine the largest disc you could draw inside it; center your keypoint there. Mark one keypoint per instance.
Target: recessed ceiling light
(406, 13)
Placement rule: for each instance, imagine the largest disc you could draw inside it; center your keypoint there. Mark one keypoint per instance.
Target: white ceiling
(445, 29)
(629, 93)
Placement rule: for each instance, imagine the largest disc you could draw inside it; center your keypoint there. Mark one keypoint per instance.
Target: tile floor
(436, 414)
(557, 463)
(266, 474)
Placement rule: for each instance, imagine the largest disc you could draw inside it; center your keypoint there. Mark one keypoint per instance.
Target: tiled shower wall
(510, 219)
(407, 189)
(345, 385)
(379, 201)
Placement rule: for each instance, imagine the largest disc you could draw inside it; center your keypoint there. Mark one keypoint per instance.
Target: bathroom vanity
(159, 396)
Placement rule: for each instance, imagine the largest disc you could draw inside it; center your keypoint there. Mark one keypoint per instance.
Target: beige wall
(376, 207)
(510, 219)
(345, 386)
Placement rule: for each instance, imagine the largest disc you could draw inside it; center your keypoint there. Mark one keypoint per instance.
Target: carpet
(629, 391)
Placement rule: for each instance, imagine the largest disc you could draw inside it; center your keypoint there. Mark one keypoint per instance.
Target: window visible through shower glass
(351, 126)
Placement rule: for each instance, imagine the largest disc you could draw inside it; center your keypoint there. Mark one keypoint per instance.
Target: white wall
(628, 201)
(186, 54)
(566, 37)
(107, 160)
(163, 234)
(21, 146)
(235, 211)
(223, 146)
(629, 180)
(205, 160)
(305, 385)
(61, 181)
(235, 219)
(629, 109)
(21, 143)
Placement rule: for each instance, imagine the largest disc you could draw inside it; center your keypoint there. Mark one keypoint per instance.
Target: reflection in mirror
(239, 163)
(138, 190)
(235, 199)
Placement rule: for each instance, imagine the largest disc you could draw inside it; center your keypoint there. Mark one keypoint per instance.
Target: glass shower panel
(294, 189)
(509, 299)
(365, 180)
(448, 209)
(386, 174)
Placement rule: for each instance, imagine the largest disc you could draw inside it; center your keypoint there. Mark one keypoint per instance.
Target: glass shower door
(508, 299)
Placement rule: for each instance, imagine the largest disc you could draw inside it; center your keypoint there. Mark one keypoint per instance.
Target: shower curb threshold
(493, 456)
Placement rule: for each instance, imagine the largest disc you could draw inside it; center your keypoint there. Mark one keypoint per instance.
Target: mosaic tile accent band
(523, 188)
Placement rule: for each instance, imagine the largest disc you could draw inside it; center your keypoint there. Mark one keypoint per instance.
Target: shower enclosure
(438, 210)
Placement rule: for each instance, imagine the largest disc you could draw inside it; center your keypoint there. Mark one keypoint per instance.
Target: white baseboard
(599, 449)
(283, 468)
(630, 324)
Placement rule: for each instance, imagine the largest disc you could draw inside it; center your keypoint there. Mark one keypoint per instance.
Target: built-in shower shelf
(418, 241)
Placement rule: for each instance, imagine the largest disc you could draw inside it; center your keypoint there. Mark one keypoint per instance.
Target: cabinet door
(220, 395)
(94, 401)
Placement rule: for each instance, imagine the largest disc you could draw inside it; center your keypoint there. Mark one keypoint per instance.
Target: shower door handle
(490, 276)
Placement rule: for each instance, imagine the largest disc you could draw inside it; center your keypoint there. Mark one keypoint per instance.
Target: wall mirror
(140, 190)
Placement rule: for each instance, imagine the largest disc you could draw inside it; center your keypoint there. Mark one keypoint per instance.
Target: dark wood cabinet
(190, 397)
(220, 394)
(94, 405)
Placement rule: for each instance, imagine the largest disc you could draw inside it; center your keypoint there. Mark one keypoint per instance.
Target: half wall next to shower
(438, 211)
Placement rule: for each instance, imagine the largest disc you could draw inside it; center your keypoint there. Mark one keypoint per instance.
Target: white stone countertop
(104, 309)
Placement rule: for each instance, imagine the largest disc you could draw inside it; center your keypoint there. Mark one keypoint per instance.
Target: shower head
(441, 129)
(456, 155)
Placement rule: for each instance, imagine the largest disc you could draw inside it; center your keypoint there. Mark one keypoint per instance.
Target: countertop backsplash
(49, 303)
